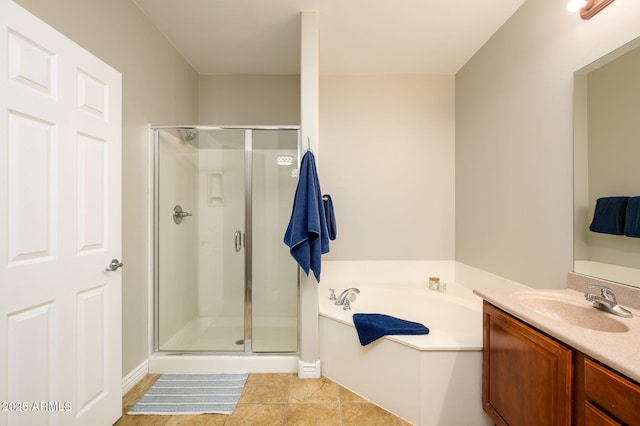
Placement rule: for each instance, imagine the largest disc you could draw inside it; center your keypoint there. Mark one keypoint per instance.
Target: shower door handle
(238, 240)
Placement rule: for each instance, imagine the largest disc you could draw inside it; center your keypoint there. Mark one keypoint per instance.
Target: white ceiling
(356, 36)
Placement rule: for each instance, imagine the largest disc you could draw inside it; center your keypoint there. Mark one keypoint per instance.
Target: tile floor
(276, 399)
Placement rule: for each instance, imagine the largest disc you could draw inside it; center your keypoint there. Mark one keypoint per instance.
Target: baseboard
(137, 374)
(309, 370)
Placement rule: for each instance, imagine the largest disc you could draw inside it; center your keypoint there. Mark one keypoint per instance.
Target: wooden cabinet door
(526, 375)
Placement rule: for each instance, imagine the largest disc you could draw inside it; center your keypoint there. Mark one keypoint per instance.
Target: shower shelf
(215, 188)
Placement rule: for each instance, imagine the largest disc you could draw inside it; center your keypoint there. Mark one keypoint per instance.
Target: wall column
(309, 364)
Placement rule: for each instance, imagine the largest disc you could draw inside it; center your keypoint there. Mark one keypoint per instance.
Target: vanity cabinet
(529, 378)
(526, 375)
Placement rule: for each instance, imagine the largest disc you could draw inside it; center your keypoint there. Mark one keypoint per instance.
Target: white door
(60, 147)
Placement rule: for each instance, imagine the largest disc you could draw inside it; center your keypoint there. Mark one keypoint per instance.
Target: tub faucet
(606, 301)
(349, 295)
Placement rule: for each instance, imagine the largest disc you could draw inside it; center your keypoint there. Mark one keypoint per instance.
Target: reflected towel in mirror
(609, 215)
(632, 218)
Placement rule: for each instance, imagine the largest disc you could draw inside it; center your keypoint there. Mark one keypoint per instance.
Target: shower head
(187, 134)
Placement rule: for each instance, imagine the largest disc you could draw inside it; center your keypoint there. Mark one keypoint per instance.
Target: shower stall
(224, 282)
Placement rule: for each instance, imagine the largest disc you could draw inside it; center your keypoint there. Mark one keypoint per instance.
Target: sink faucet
(606, 301)
(347, 296)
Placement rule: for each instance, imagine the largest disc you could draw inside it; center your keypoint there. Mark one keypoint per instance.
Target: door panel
(92, 195)
(31, 354)
(31, 65)
(92, 332)
(60, 149)
(31, 186)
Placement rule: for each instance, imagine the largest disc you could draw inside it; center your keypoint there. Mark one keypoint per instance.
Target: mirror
(606, 160)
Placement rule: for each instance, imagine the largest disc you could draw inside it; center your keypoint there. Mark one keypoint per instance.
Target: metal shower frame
(248, 296)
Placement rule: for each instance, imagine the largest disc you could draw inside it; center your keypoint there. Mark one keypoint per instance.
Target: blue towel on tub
(371, 327)
(632, 218)
(608, 217)
(307, 235)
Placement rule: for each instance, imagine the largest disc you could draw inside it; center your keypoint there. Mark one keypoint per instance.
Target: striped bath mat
(175, 394)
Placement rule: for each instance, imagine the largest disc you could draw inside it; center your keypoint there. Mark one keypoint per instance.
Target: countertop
(618, 350)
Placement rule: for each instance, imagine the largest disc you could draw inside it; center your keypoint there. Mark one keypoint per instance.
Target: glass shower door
(222, 186)
(274, 277)
(200, 259)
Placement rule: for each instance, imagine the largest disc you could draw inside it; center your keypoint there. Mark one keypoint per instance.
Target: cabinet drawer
(594, 417)
(612, 393)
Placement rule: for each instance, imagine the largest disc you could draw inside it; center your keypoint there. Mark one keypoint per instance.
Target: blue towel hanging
(632, 218)
(608, 217)
(330, 215)
(307, 235)
(371, 327)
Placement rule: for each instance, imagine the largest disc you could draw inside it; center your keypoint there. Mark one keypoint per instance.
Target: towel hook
(309, 144)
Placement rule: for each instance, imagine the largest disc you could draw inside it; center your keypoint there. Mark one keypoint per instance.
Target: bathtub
(433, 379)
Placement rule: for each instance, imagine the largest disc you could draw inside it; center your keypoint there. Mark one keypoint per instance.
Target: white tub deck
(433, 379)
(454, 318)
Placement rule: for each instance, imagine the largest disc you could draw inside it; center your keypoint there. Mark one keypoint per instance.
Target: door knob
(115, 264)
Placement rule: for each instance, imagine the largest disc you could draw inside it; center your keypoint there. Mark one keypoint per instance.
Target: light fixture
(587, 8)
(284, 160)
(576, 5)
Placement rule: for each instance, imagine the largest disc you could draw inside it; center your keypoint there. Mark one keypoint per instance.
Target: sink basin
(562, 307)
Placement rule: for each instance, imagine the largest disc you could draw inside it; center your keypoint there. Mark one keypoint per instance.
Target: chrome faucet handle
(332, 296)
(605, 292)
(346, 305)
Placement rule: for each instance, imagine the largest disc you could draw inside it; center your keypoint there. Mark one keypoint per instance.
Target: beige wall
(514, 158)
(249, 99)
(159, 87)
(387, 158)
